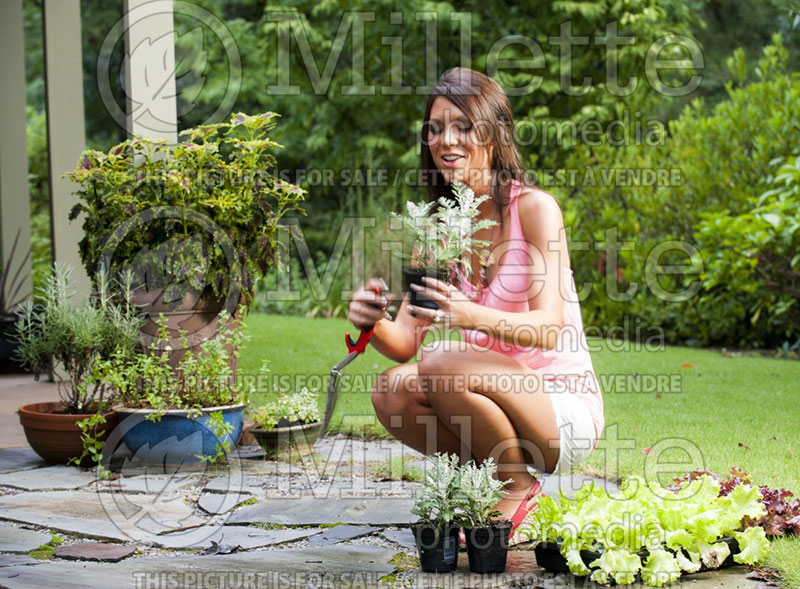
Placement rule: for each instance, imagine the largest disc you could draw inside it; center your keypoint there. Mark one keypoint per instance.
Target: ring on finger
(437, 317)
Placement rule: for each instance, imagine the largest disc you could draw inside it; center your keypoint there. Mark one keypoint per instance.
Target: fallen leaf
(647, 450)
(745, 446)
(688, 365)
(658, 395)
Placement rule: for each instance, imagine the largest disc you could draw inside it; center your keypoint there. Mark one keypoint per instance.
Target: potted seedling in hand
(443, 239)
(436, 503)
(487, 538)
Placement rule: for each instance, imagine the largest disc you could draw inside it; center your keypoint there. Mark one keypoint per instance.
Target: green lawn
(709, 410)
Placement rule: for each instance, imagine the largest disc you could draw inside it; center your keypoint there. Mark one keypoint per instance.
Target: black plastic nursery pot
(414, 276)
(549, 557)
(487, 547)
(437, 548)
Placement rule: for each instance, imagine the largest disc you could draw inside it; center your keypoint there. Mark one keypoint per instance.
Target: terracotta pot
(54, 436)
(196, 313)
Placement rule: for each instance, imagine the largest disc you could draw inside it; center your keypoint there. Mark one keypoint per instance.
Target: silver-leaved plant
(479, 492)
(444, 238)
(438, 499)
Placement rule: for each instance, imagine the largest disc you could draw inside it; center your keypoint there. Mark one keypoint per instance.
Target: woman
(521, 386)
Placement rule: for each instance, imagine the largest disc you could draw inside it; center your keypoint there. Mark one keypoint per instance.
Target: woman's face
(456, 149)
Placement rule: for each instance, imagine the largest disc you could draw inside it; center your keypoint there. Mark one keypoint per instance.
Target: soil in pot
(437, 549)
(487, 547)
(414, 276)
(54, 435)
(295, 435)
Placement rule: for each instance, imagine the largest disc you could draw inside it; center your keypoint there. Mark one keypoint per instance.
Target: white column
(15, 206)
(150, 69)
(65, 128)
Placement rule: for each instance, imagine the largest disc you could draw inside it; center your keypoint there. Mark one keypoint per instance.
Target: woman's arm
(400, 339)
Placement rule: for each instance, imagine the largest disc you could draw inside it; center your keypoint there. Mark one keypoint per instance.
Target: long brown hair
(483, 101)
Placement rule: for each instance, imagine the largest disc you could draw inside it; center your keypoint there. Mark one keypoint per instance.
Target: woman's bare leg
(496, 406)
(405, 412)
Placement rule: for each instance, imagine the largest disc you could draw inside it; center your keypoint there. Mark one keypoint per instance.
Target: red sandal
(525, 507)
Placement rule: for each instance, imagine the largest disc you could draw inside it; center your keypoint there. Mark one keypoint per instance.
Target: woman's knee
(435, 358)
(390, 389)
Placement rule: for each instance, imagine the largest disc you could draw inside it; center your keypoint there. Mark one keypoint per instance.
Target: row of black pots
(549, 557)
(487, 547)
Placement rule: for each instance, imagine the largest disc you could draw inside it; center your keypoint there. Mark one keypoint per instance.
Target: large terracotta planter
(196, 314)
(54, 436)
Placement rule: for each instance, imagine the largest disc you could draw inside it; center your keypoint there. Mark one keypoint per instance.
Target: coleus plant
(444, 238)
(648, 531)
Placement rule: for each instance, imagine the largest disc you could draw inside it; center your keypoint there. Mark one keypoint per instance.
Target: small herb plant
(220, 180)
(202, 379)
(288, 409)
(444, 237)
(81, 336)
(439, 499)
(479, 492)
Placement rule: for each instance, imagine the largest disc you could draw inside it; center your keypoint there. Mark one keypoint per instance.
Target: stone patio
(327, 520)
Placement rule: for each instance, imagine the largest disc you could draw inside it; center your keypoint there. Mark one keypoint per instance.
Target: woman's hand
(367, 307)
(455, 309)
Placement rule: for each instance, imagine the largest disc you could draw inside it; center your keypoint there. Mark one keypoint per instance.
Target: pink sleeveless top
(566, 369)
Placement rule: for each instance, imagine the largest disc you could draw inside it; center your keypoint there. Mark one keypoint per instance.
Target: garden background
(727, 139)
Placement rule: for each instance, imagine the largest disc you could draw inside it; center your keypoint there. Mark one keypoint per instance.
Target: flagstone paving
(321, 520)
(14, 539)
(50, 478)
(17, 459)
(95, 551)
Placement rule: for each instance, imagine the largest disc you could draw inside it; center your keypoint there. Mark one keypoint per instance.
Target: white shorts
(576, 433)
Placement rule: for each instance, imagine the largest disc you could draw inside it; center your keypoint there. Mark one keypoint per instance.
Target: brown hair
(485, 104)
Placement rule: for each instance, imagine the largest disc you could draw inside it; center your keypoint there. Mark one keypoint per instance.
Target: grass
(397, 469)
(710, 409)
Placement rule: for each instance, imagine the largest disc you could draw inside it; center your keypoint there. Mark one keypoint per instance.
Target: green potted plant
(79, 337)
(436, 504)
(288, 419)
(197, 221)
(487, 539)
(442, 240)
(10, 299)
(184, 414)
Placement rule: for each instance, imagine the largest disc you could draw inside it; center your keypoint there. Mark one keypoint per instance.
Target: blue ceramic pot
(178, 437)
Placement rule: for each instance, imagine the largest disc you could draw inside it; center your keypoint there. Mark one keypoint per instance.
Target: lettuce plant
(655, 532)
